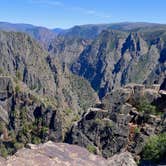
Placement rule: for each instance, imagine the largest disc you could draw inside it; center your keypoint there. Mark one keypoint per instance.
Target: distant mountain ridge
(89, 31)
(41, 34)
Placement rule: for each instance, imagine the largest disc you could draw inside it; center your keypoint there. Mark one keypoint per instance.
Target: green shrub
(155, 148)
(68, 111)
(92, 149)
(21, 137)
(3, 151)
(109, 123)
(136, 130)
(44, 132)
(18, 145)
(146, 107)
(76, 117)
(36, 140)
(98, 121)
(17, 88)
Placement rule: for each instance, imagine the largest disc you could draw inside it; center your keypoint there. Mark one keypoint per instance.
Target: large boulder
(54, 154)
(61, 154)
(124, 159)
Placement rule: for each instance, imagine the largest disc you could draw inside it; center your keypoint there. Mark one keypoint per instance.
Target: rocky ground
(60, 154)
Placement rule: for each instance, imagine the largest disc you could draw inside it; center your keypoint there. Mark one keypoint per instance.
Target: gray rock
(58, 154)
(122, 159)
(122, 126)
(99, 129)
(54, 154)
(116, 98)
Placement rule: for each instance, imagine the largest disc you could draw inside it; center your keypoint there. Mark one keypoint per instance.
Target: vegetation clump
(147, 108)
(155, 148)
(17, 88)
(92, 149)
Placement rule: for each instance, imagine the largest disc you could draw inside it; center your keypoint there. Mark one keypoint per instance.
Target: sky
(67, 13)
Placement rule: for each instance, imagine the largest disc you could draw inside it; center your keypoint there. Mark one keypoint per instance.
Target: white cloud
(57, 3)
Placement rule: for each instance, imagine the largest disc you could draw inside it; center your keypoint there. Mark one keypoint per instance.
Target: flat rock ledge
(61, 154)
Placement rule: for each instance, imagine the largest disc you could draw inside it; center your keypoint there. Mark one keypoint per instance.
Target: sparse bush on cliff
(155, 148)
(146, 107)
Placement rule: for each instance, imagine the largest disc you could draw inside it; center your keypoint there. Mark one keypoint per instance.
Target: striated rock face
(25, 117)
(74, 94)
(23, 58)
(67, 49)
(58, 154)
(123, 121)
(32, 69)
(117, 58)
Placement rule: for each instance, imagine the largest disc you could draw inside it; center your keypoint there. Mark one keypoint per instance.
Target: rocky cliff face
(25, 117)
(26, 61)
(39, 97)
(117, 58)
(74, 94)
(123, 122)
(23, 58)
(67, 49)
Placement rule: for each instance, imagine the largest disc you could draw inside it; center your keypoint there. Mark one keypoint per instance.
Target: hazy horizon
(65, 14)
(107, 23)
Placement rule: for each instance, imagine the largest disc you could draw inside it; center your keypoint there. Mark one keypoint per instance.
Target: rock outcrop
(59, 154)
(124, 159)
(123, 122)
